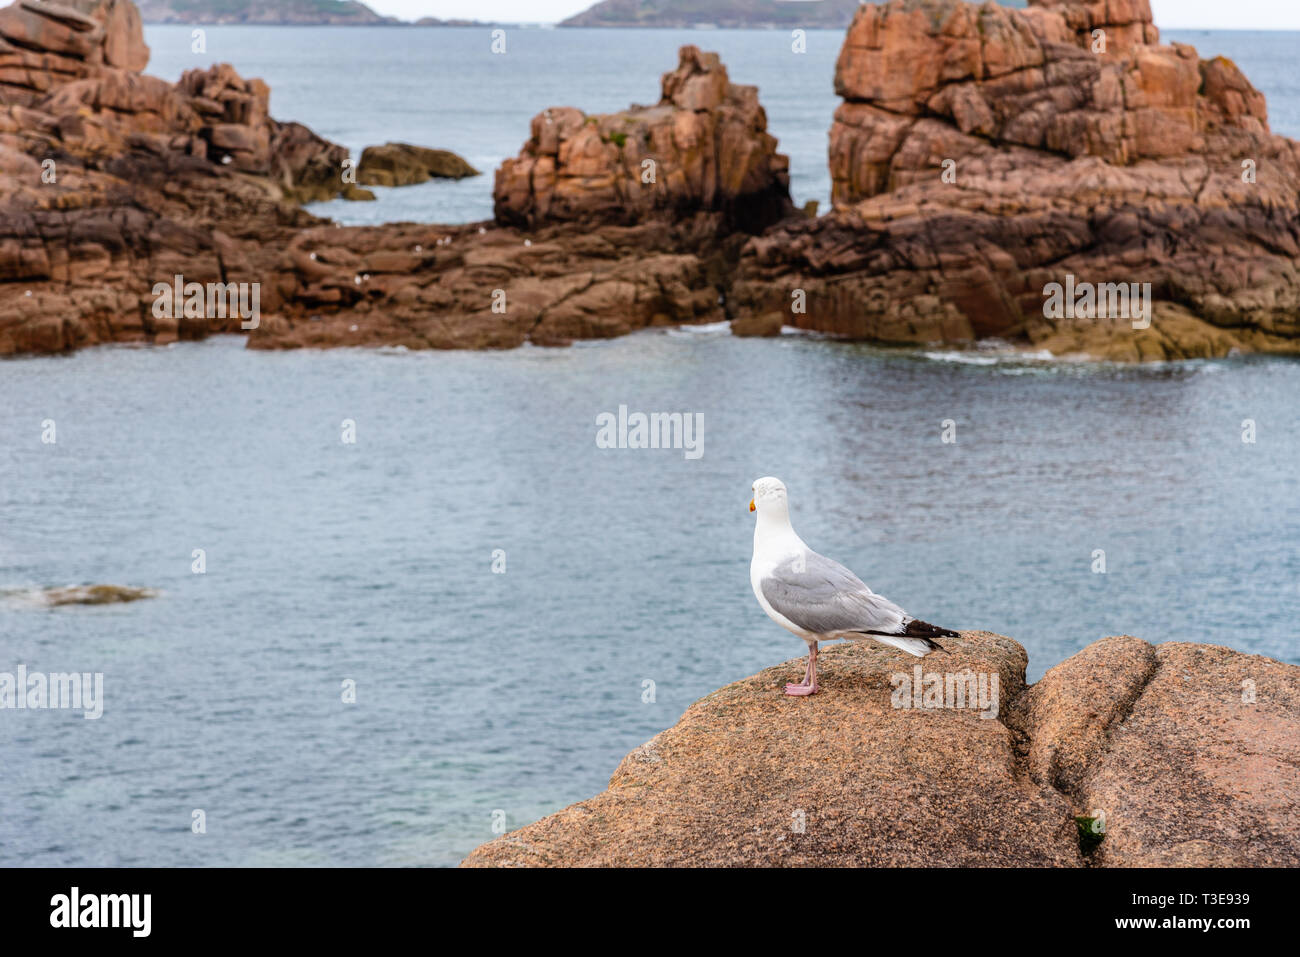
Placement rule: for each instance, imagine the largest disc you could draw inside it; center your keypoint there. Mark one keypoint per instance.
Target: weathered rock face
(704, 147)
(1158, 740)
(981, 156)
(581, 249)
(80, 262)
(238, 131)
(1189, 751)
(483, 287)
(147, 181)
(400, 164)
(1018, 79)
(983, 153)
(45, 44)
(1127, 23)
(114, 181)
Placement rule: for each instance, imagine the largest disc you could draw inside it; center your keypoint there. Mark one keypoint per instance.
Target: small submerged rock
(355, 194)
(93, 595)
(758, 324)
(401, 164)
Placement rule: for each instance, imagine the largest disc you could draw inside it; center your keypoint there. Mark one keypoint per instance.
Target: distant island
(677, 14)
(727, 14)
(281, 12)
(300, 12)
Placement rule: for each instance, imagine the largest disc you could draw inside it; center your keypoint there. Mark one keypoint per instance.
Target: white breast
(767, 556)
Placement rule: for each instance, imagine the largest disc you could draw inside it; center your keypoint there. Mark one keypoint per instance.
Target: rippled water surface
(520, 692)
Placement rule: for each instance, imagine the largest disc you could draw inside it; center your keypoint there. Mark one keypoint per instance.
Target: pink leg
(809, 684)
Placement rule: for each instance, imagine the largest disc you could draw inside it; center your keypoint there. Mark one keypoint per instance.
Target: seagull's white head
(769, 497)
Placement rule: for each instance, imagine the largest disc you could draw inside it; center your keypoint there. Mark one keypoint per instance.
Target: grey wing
(823, 597)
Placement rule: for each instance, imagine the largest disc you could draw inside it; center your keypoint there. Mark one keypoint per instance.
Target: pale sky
(1170, 14)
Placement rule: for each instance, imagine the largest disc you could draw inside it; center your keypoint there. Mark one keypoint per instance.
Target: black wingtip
(929, 633)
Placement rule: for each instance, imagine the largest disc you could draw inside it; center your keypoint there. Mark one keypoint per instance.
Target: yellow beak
(751, 504)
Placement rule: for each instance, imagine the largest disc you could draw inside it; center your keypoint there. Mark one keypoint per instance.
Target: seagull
(819, 599)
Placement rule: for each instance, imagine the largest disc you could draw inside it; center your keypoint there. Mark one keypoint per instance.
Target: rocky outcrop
(924, 78)
(703, 147)
(1126, 23)
(1173, 755)
(485, 287)
(43, 45)
(122, 182)
(982, 154)
(582, 249)
(982, 157)
(401, 164)
(238, 131)
(115, 181)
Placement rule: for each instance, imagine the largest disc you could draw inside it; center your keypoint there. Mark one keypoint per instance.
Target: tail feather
(923, 629)
(917, 638)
